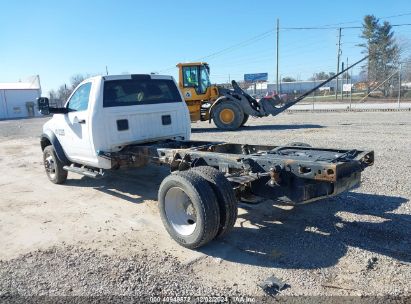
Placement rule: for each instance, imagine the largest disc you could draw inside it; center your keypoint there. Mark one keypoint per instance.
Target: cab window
(190, 77)
(205, 79)
(79, 100)
(129, 92)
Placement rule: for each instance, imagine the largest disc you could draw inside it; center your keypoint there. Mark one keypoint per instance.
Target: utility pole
(399, 86)
(347, 75)
(314, 92)
(350, 88)
(342, 81)
(338, 61)
(281, 77)
(106, 70)
(278, 40)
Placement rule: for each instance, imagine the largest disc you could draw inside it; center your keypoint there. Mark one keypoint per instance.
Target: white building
(18, 99)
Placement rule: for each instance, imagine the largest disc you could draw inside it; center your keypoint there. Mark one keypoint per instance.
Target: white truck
(112, 122)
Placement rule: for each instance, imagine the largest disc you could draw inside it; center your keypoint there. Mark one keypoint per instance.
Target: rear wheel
(53, 166)
(245, 119)
(188, 209)
(225, 197)
(227, 115)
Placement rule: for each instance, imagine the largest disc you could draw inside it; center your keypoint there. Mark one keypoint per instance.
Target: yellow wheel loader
(229, 109)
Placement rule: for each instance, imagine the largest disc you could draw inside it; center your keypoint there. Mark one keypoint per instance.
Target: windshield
(127, 92)
(205, 78)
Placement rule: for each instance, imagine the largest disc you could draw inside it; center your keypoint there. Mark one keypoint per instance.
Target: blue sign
(256, 77)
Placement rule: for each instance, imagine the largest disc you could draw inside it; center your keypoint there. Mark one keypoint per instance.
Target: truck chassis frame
(295, 173)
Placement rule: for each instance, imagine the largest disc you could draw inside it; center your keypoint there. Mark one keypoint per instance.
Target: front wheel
(227, 115)
(189, 209)
(53, 166)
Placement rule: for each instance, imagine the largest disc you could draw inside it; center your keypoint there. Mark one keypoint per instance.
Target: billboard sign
(256, 77)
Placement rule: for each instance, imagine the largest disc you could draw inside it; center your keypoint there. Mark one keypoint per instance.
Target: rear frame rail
(294, 173)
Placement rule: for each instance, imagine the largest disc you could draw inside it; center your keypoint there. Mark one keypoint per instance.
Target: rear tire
(53, 166)
(227, 115)
(188, 209)
(225, 195)
(246, 116)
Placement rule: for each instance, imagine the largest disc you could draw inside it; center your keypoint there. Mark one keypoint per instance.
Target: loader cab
(194, 79)
(194, 83)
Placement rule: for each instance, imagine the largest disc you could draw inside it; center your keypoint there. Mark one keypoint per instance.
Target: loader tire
(225, 195)
(227, 115)
(246, 116)
(54, 168)
(189, 209)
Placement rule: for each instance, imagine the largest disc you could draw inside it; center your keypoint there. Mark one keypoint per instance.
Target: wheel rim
(50, 165)
(180, 211)
(227, 116)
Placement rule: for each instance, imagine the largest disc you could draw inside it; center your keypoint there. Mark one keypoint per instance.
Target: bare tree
(406, 70)
(63, 93)
(321, 76)
(77, 79)
(60, 96)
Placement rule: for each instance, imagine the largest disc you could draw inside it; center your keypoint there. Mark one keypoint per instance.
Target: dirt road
(357, 243)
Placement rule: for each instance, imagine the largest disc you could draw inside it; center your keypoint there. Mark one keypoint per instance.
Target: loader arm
(270, 107)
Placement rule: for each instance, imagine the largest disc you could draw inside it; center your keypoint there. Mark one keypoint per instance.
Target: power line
(336, 28)
(394, 16)
(262, 55)
(232, 47)
(356, 21)
(244, 43)
(337, 25)
(265, 34)
(288, 50)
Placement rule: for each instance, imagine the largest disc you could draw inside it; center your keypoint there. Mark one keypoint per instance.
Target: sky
(58, 39)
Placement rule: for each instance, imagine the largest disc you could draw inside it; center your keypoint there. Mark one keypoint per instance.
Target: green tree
(288, 79)
(382, 50)
(388, 55)
(369, 34)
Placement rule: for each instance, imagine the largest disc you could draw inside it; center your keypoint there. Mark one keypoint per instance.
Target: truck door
(76, 140)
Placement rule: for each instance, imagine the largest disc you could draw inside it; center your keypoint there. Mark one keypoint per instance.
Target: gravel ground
(86, 272)
(356, 244)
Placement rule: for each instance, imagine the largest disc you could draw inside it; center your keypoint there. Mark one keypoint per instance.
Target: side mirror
(43, 105)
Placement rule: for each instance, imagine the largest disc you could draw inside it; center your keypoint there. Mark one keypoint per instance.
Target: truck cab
(107, 113)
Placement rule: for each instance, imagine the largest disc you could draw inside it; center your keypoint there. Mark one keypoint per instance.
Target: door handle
(77, 120)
